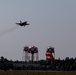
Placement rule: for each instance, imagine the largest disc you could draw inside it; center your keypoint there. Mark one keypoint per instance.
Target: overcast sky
(52, 23)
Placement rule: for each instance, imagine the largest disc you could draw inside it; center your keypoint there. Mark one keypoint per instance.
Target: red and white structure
(50, 53)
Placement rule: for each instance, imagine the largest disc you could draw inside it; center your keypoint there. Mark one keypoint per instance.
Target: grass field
(35, 73)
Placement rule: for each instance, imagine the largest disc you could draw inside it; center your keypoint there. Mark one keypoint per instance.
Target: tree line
(67, 64)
